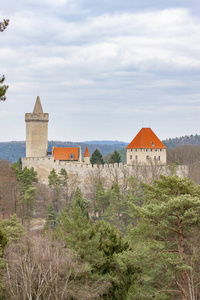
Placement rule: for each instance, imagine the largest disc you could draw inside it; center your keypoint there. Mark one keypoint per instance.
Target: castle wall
(111, 173)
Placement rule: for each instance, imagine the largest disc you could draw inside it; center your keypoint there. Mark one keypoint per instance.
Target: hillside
(183, 140)
(13, 150)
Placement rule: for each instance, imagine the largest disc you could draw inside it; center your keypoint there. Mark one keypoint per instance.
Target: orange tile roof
(86, 154)
(65, 153)
(146, 138)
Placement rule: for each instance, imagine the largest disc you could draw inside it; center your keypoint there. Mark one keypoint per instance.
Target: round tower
(86, 156)
(37, 131)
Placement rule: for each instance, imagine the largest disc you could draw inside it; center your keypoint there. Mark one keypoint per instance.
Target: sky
(102, 69)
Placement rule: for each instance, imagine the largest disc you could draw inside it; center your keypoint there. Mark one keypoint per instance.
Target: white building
(146, 148)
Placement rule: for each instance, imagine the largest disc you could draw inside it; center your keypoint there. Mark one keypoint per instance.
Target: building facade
(146, 148)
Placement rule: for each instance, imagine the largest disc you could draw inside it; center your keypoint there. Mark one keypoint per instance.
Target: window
(72, 156)
(135, 150)
(147, 157)
(155, 149)
(130, 156)
(158, 157)
(146, 150)
(151, 150)
(152, 144)
(136, 157)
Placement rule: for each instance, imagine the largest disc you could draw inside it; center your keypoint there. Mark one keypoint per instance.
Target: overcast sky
(103, 69)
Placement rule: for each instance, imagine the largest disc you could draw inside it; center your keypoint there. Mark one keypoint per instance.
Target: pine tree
(170, 213)
(55, 185)
(115, 157)
(97, 158)
(3, 88)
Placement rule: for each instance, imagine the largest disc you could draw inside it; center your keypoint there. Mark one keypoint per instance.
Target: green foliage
(51, 219)
(55, 183)
(3, 88)
(4, 24)
(13, 228)
(26, 179)
(115, 157)
(101, 199)
(169, 213)
(96, 158)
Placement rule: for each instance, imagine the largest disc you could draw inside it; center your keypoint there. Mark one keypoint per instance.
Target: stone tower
(37, 131)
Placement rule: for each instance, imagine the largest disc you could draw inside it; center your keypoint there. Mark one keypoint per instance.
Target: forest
(132, 240)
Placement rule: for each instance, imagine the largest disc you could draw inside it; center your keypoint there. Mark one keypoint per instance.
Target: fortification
(37, 131)
(146, 155)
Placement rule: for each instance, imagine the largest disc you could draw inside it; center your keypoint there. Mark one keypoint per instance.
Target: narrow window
(130, 156)
(136, 157)
(72, 156)
(158, 157)
(152, 144)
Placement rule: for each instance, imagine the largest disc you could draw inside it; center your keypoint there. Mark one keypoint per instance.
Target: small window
(155, 149)
(160, 150)
(135, 150)
(158, 157)
(146, 150)
(151, 150)
(152, 144)
(72, 156)
(130, 156)
(147, 157)
(136, 157)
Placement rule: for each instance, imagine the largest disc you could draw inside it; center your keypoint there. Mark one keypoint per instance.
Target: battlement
(31, 117)
(74, 165)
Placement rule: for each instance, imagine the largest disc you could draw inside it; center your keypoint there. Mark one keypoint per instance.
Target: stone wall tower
(37, 131)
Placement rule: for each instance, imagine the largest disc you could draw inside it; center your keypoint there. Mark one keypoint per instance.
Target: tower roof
(38, 106)
(146, 138)
(86, 154)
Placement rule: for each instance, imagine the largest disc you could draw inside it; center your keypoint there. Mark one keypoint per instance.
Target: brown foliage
(9, 190)
(42, 269)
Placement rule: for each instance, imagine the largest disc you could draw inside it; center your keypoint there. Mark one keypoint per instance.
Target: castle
(145, 149)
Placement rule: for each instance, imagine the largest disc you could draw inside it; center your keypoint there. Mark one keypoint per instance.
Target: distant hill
(13, 150)
(183, 140)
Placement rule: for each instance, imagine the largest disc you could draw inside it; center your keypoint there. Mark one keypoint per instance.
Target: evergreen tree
(170, 213)
(55, 185)
(51, 220)
(115, 157)
(97, 158)
(13, 228)
(101, 200)
(3, 88)
(26, 179)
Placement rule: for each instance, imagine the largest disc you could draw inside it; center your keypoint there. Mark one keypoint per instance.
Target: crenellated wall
(43, 166)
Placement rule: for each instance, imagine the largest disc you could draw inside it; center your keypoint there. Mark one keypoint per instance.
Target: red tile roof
(65, 153)
(86, 154)
(146, 138)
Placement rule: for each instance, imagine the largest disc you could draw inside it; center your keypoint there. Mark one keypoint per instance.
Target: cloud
(117, 63)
